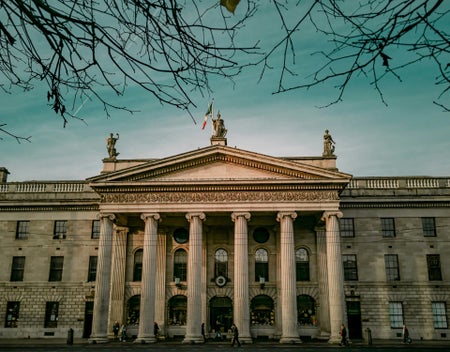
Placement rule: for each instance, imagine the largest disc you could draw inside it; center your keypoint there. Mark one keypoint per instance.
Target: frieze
(220, 197)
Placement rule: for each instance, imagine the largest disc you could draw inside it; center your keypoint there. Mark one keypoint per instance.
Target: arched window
(137, 268)
(302, 264)
(261, 265)
(262, 310)
(221, 263)
(178, 310)
(133, 309)
(306, 310)
(180, 265)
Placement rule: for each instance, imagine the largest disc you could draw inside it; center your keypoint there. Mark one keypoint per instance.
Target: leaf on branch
(230, 5)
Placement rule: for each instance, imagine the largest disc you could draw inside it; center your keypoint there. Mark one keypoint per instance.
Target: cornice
(387, 204)
(34, 208)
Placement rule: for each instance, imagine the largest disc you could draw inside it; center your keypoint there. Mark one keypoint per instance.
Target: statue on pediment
(219, 127)
(328, 144)
(111, 145)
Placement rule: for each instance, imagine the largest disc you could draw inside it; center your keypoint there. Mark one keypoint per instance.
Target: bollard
(70, 337)
(369, 336)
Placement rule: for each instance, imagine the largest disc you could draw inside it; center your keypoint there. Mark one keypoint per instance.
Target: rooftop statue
(328, 144)
(111, 145)
(219, 127)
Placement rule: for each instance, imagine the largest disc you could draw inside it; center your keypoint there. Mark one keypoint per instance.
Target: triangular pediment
(219, 164)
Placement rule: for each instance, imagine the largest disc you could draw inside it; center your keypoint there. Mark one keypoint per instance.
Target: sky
(408, 137)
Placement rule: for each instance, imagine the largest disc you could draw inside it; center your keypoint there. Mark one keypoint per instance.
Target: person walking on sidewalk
(235, 339)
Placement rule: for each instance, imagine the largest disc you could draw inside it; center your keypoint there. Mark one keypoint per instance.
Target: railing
(40, 187)
(398, 182)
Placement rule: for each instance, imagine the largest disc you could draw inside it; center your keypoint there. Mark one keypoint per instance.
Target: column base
(323, 335)
(145, 340)
(290, 340)
(245, 340)
(335, 340)
(193, 340)
(94, 340)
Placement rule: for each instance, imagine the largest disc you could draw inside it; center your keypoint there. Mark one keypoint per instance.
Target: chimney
(3, 174)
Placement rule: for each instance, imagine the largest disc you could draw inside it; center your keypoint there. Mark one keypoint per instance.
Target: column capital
(282, 214)
(155, 216)
(110, 216)
(201, 216)
(328, 214)
(245, 214)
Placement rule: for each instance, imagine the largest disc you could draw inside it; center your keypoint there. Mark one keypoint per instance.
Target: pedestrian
(155, 329)
(123, 336)
(203, 332)
(116, 327)
(218, 336)
(343, 334)
(235, 332)
(405, 333)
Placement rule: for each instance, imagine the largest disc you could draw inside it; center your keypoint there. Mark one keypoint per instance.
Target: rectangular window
(17, 268)
(350, 267)
(428, 227)
(347, 227)
(392, 269)
(388, 227)
(434, 267)
(95, 229)
(60, 229)
(12, 314)
(51, 314)
(439, 315)
(56, 268)
(396, 314)
(22, 230)
(92, 274)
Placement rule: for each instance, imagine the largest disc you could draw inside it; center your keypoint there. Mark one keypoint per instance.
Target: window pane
(56, 268)
(439, 315)
(347, 227)
(388, 227)
(392, 269)
(396, 314)
(22, 231)
(302, 264)
(180, 265)
(434, 267)
(137, 269)
(429, 227)
(60, 229)
(221, 263)
(17, 269)
(92, 274)
(95, 229)
(51, 314)
(12, 314)
(350, 267)
(261, 265)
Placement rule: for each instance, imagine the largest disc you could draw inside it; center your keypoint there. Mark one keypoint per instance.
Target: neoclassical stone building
(286, 248)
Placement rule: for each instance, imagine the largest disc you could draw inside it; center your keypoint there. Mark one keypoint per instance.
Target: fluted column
(148, 283)
(160, 309)
(103, 279)
(119, 257)
(194, 279)
(288, 278)
(324, 308)
(241, 310)
(335, 275)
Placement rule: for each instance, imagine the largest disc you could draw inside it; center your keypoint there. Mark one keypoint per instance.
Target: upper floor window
(302, 264)
(22, 230)
(51, 314)
(137, 268)
(396, 314)
(261, 265)
(428, 227)
(180, 265)
(92, 270)
(261, 235)
(388, 227)
(12, 314)
(434, 267)
(347, 227)
(392, 269)
(181, 235)
(95, 229)
(17, 268)
(350, 267)
(221, 263)
(439, 315)
(60, 230)
(56, 268)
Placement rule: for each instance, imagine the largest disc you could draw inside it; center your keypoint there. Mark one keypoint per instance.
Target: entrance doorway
(220, 313)
(354, 320)
(88, 315)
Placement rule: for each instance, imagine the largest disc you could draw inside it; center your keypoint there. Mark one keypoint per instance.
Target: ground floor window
(178, 310)
(396, 314)
(262, 310)
(439, 315)
(133, 308)
(51, 314)
(306, 310)
(12, 314)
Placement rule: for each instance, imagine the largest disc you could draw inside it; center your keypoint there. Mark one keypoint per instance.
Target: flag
(208, 114)
(230, 5)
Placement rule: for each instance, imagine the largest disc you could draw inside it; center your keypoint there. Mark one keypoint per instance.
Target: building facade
(286, 248)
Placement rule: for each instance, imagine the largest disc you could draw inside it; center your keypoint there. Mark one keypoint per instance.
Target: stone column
(103, 280)
(119, 257)
(288, 290)
(241, 305)
(160, 309)
(148, 283)
(324, 308)
(194, 279)
(335, 275)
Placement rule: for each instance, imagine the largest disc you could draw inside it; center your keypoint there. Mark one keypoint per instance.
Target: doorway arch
(220, 313)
